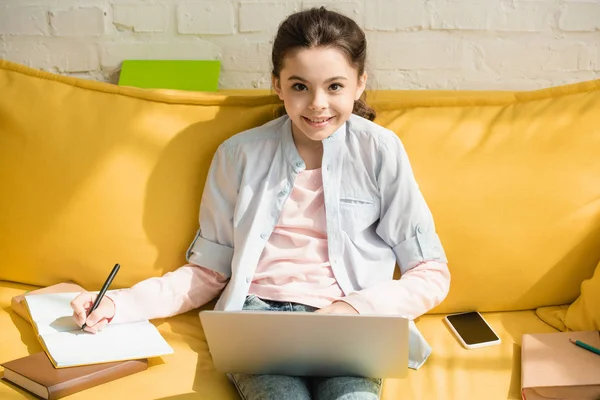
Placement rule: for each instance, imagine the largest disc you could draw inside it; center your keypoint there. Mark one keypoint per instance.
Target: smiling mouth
(317, 122)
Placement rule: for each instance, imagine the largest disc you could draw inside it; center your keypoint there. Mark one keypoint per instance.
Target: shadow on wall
(174, 188)
(94, 175)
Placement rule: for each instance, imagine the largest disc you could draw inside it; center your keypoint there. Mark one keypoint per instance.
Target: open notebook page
(51, 312)
(67, 345)
(115, 343)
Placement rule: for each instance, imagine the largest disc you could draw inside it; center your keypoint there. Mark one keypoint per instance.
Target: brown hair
(319, 27)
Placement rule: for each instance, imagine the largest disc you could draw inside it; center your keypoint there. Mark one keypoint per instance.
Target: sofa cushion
(512, 185)
(189, 370)
(92, 174)
(451, 373)
(554, 316)
(584, 313)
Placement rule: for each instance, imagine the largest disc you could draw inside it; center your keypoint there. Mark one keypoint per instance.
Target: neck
(311, 151)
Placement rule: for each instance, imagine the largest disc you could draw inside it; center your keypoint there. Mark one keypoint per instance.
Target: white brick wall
(77, 22)
(413, 44)
(581, 17)
(265, 16)
(141, 17)
(392, 15)
(31, 21)
(209, 17)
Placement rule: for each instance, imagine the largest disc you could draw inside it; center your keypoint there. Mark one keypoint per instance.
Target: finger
(99, 326)
(79, 318)
(80, 305)
(90, 329)
(104, 311)
(341, 307)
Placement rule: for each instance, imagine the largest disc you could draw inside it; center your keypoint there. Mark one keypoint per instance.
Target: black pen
(103, 290)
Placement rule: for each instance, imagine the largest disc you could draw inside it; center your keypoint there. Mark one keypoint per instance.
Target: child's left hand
(338, 307)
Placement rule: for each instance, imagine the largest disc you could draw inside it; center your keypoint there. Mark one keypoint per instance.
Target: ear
(276, 86)
(362, 84)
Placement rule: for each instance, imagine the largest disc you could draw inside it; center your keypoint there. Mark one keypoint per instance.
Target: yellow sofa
(92, 174)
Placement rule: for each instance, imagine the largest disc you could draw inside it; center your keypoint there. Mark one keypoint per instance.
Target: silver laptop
(307, 344)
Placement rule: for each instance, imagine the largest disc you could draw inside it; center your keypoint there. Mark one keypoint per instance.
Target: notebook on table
(67, 345)
(554, 368)
(36, 374)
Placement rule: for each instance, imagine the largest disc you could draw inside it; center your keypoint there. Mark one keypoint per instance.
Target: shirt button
(299, 164)
(328, 167)
(420, 229)
(263, 235)
(248, 279)
(282, 193)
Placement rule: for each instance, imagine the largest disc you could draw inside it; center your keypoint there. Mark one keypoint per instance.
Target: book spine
(97, 378)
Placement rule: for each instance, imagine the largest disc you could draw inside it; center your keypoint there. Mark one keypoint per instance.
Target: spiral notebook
(67, 345)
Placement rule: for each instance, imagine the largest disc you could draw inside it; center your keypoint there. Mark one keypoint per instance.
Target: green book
(195, 75)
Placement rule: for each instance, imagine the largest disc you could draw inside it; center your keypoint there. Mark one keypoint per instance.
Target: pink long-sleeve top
(294, 266)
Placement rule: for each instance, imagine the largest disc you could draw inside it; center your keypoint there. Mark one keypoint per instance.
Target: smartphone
(472, 330)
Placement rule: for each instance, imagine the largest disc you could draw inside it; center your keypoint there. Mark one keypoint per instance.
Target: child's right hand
(97, 320)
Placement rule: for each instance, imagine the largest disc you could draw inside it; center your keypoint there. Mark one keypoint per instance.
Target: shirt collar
(289, 148)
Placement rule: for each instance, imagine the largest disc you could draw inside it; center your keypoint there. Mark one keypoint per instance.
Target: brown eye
(334, 87)
(299, 87)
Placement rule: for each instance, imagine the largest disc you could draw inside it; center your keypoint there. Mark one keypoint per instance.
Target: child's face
(318, 88)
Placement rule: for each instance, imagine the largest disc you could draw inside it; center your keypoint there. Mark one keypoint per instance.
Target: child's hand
(338, 307)
(97, 320)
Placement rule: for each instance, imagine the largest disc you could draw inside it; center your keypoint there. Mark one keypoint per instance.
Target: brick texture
(23, 21)
(259, 17)
(215, 17)
(84, 21)
(141, 17)
(412, 44)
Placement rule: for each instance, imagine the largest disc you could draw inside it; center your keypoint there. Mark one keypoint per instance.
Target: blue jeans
(277, 387)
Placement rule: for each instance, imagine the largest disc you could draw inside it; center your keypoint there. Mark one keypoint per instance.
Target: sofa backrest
(514, 187)
(92, 174)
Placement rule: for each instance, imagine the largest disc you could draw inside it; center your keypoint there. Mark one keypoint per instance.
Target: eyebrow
(297, 78)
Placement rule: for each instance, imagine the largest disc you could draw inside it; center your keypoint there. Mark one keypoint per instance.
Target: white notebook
(67, 345)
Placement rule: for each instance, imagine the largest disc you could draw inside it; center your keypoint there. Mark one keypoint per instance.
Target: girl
(309, 212)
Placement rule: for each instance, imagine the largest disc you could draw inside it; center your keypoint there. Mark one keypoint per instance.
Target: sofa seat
(450, 373)
(510, 178)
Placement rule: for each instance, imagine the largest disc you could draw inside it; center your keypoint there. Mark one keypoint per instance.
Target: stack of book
(74, 360)
(36, 374)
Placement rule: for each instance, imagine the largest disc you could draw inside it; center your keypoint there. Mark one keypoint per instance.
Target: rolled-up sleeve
(213, 245)
(405, 223)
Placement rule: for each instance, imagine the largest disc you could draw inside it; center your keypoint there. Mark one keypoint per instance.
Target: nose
(319, 101)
